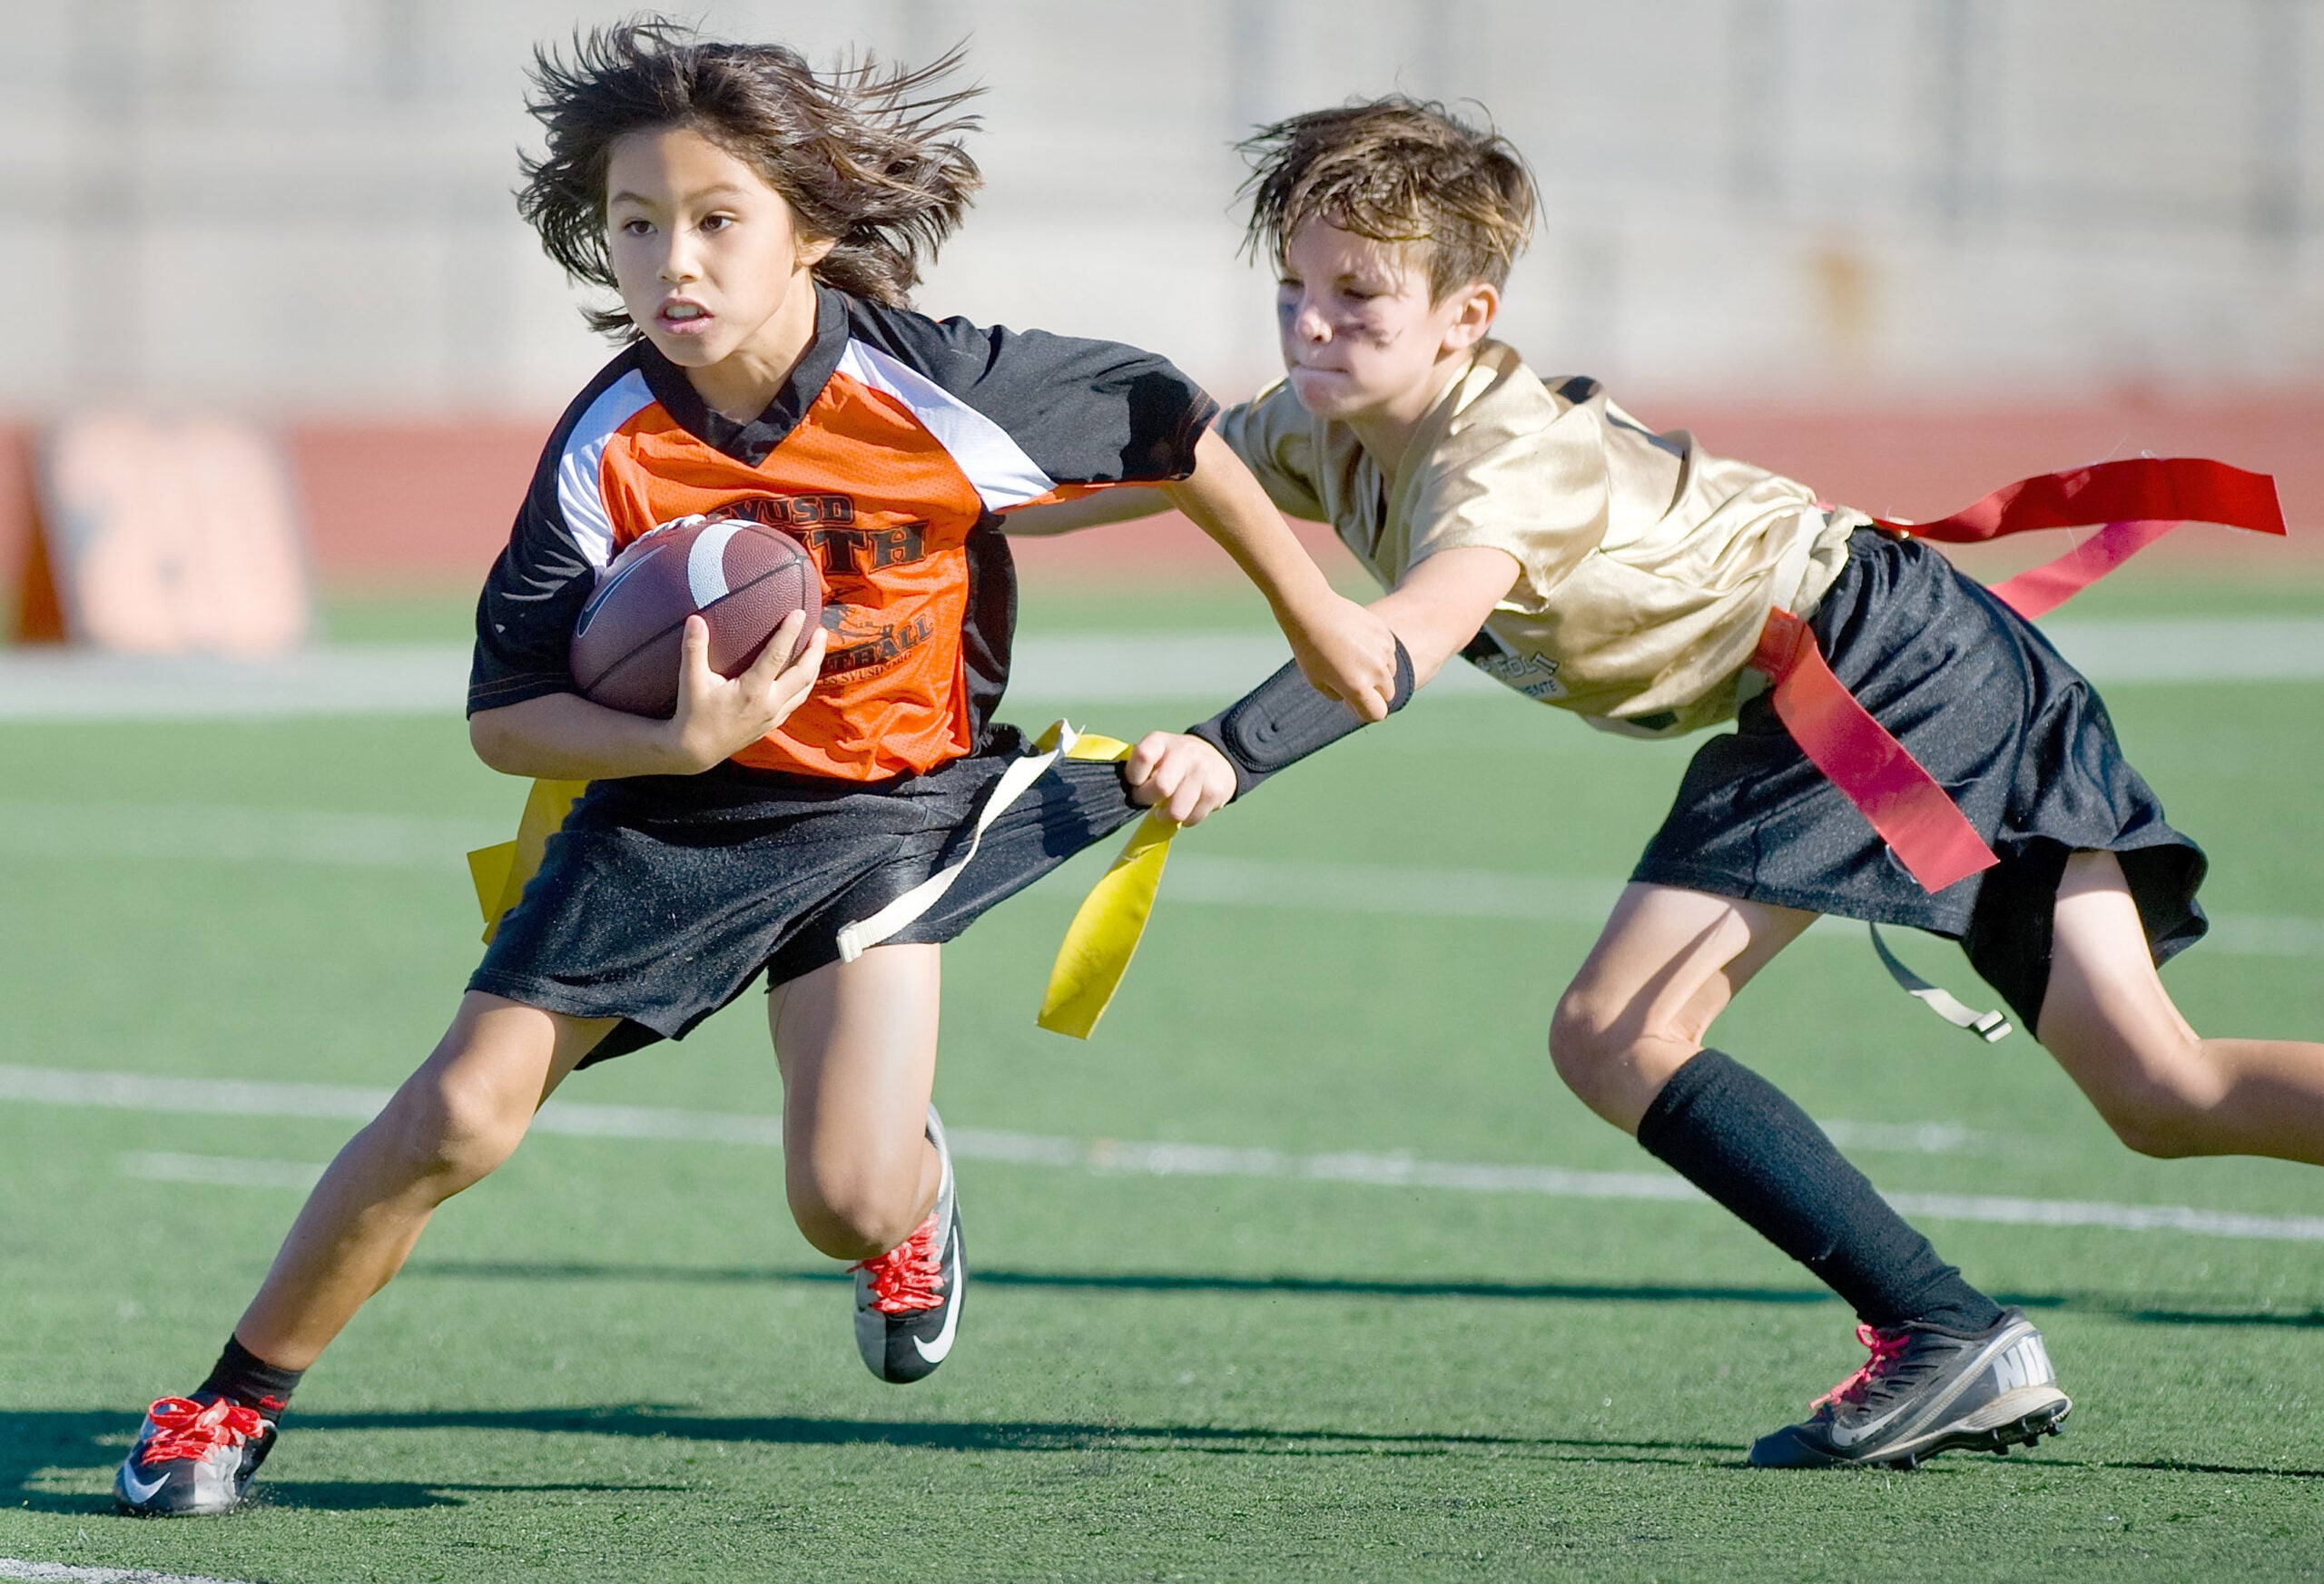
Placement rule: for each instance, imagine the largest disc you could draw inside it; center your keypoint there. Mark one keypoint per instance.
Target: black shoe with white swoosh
(907, 1300)
(1924, 1392)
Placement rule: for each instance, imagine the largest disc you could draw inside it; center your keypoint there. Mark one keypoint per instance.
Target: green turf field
(616, 1360)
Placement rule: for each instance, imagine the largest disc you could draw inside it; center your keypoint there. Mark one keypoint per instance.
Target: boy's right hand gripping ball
(741, 576)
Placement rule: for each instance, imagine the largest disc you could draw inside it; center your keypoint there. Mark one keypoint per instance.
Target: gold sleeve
(1275, 437)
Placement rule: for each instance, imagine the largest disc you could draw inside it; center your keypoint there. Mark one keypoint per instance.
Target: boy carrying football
(762, 226)
(1534, 528)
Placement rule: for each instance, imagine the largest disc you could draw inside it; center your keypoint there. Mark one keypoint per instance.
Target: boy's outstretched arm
(1342, 648)
(1442, 601)
(1435, 613)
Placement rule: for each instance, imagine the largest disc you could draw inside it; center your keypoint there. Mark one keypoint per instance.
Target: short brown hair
(866, 156)
(1395, 170)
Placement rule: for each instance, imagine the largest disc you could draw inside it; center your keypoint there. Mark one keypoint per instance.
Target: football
(741, 576)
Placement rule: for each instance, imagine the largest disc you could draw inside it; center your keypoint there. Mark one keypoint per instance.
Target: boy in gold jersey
(1534, 528)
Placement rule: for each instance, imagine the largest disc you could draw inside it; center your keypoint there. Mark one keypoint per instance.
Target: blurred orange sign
(162, 537)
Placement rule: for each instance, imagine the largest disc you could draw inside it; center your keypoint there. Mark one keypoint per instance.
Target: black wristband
(1284, 720)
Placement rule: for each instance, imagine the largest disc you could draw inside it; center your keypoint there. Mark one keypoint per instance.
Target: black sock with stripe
(247, 1379)
(1737, 1138)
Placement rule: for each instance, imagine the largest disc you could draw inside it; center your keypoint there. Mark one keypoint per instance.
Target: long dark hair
(868, 156)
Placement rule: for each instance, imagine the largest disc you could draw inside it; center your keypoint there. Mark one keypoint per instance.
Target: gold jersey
(1646, 565)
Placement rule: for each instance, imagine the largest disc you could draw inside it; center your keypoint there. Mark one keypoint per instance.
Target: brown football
(741, 576)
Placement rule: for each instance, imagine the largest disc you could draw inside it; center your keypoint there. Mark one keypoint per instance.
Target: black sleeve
(535, 592)
(1284, 720)
(523, 618)
(1084, 411)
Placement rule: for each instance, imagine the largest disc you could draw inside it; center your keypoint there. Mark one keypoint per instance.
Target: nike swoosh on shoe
(934, 1352)
(140, 1493)
(1843, 1437)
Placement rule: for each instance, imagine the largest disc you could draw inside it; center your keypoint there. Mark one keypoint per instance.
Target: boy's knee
(1587, 1044)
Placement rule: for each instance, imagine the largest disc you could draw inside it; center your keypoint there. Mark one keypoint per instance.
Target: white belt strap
(1988, 1026)
(856, 938)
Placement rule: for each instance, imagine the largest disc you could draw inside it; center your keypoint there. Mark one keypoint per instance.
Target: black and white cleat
(907, 1300)
(1924, 1392)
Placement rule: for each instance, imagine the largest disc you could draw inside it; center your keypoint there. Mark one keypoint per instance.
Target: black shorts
(663, 897)
(2014, 733)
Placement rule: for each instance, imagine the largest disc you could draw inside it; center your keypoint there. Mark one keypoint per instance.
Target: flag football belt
(2132, 503)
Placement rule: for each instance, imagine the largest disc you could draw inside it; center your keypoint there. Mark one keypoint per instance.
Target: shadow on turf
(34, 1444)
(2111, 1306)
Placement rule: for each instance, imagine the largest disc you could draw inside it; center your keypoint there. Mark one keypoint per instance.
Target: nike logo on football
(139, 1491)
(934, 1352)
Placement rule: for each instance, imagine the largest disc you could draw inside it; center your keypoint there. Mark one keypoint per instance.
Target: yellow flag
(501, 871)
(1106, 930)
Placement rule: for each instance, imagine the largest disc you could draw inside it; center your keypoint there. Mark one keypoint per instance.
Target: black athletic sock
(1737, 1137)
(241, 1375)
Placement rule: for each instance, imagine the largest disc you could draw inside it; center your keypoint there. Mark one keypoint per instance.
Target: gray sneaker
(1924, 1392)
(907, 1300)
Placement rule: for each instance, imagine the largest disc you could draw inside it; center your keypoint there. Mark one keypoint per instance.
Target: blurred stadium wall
(1905, 249)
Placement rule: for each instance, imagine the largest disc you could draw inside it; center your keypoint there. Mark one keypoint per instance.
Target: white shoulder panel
(1003, 475)
(580, 487)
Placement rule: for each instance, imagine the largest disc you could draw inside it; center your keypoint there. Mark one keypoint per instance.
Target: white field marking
(1925, 1138)
(242, 834)
(1481, 893)
(59, 1574)
(2115, 1218)
(42, 1086)
(219, 1170)
(1108, 668)
(372, 679)
(231, 833)
(1085, 668)
(1115, 1158)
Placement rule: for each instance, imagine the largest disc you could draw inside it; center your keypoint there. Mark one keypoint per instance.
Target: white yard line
(59, 1574)
(44, 684)
(70, 685)
(221, 1171)
(241, 834)
(63, 1087)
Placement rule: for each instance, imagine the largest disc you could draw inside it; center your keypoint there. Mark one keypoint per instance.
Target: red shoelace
(909, 1277)
(1885, 1345)
(184, 1428)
